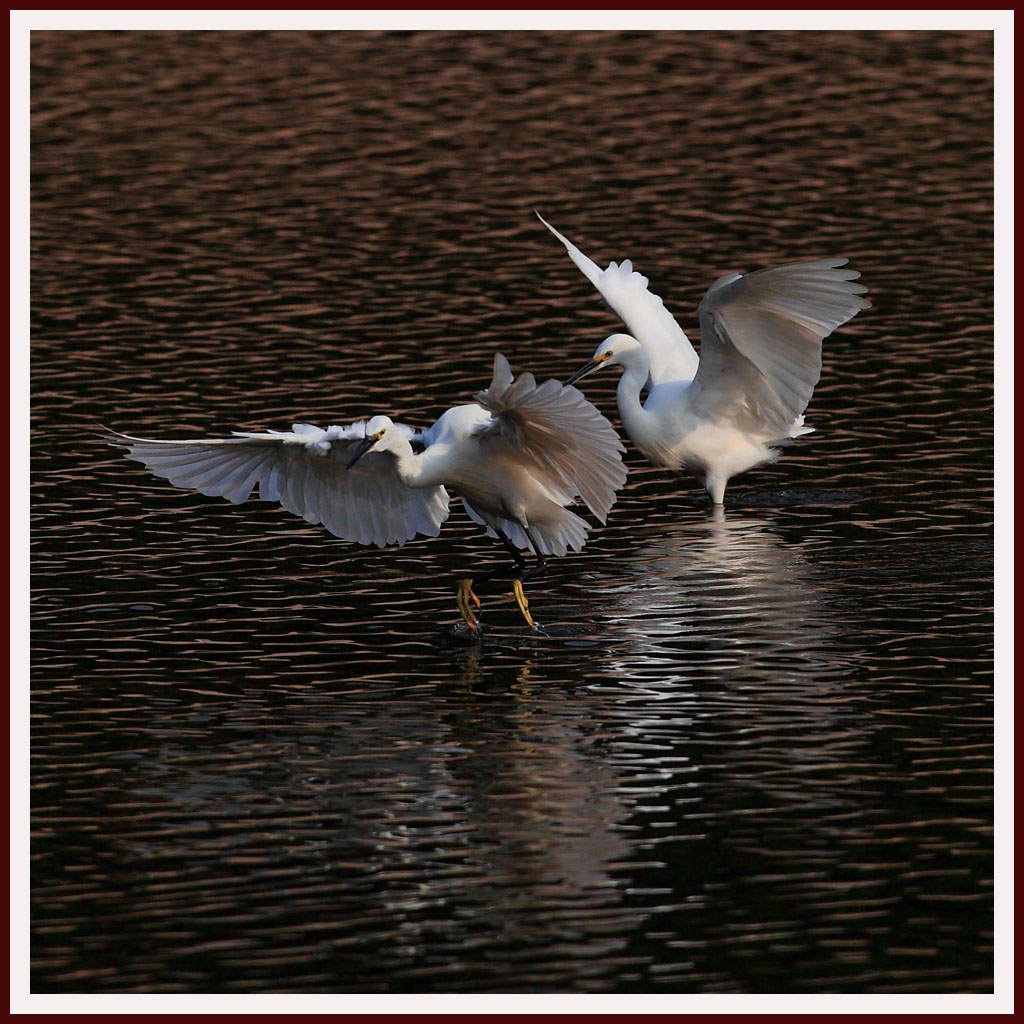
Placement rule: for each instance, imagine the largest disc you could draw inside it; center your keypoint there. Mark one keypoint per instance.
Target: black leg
(541, 563)
(503, 572)
(517, 555)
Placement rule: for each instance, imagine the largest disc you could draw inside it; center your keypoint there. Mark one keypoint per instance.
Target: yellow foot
(466, 598)
(524, 605)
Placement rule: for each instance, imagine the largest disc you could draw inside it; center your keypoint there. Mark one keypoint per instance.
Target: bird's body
(505, 490)
(743, 400)
(517, 457)
(669, 428)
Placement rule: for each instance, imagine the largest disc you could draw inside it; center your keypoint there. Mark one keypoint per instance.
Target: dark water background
(755, 752)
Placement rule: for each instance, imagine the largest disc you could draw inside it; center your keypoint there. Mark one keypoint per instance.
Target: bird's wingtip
(108, 436)
(502, 370)
(558, 234)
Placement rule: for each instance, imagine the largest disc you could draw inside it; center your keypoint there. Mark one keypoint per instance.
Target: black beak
(364, 446)
(583, 371)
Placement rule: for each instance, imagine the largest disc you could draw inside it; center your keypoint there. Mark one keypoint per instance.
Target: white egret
(743, 400)
(517, 457)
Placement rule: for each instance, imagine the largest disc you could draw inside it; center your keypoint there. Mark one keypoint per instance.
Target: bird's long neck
(635, 369)
(408, 464)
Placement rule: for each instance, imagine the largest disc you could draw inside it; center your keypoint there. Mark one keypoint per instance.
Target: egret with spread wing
(743, 400)
(518, 457)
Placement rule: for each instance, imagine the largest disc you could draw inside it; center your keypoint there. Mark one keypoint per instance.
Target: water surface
(754, 752)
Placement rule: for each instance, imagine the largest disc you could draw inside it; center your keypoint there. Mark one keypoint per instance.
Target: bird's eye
(379, 434)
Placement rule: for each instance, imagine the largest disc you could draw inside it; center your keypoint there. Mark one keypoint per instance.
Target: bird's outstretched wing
(760, 347)
(555, 429)
(670, 354)
(305, 470)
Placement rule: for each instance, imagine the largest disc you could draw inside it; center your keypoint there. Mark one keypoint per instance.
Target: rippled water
(754, 753)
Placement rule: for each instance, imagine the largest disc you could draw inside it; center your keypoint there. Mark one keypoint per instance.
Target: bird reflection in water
(537, 815)
(737, 633)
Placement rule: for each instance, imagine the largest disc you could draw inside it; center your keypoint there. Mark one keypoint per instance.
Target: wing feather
(761, 335)
(669, 352)
(560, 432)
(304, 470)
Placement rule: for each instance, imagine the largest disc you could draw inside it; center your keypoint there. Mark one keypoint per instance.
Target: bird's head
(379, 431)
(613, 351)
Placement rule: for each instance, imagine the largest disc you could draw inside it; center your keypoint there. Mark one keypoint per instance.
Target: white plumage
(760, 359)
(517, 457)
(304, 470)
